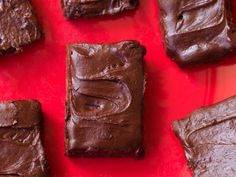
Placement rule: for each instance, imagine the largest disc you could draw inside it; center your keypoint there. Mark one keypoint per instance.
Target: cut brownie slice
(197, 30)
(18, 25)
(105, 86)
(208, 137)
(87, 8)
(21, 151)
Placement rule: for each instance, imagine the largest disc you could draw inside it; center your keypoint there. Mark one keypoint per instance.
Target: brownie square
(105, 87)
(18, 26)
(21, 151)
(208, 137)
(197, 31)
(87, 8)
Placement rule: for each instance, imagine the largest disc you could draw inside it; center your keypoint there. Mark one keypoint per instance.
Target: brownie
(197, 31)
(18, 25)
(87, 8)
(21, 150)
(105, 87)
(208, 137)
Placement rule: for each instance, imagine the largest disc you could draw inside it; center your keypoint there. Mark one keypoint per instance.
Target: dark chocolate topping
(208, 137)
(87, 8)
(197, 30)
(105, 92)
(21, 152)
(18, 25)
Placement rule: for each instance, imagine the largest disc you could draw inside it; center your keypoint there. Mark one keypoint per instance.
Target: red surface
(172, 92)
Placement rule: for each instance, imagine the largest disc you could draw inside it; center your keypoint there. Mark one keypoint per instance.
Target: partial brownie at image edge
(75, 9)
(208, 138)
(21, 151)
(197, 32)
(104, 108)
(19, 26)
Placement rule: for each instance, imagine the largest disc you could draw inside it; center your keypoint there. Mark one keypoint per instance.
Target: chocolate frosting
(21, 152)
(208, 137)
(87, 8)
(104, 101)
(197, 30)
(18, 25)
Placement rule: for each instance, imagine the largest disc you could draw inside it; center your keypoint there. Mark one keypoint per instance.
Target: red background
(172, 92)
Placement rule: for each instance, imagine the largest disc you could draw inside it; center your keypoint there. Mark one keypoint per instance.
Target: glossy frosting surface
(169, 89)
(208, 137)
(18, 25)
(105, 95)
(21, 152)
(85, 8)
(197, 30)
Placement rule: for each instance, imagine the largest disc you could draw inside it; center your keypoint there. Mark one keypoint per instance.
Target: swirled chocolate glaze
(18, 25)
(105, 85)
(87, 8)
(208, 137)
(197, 30)
(21, 151)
